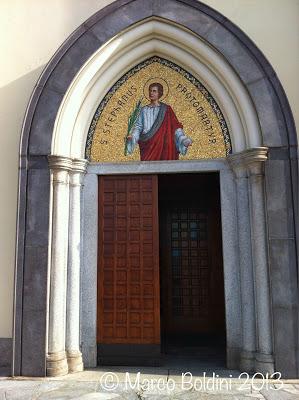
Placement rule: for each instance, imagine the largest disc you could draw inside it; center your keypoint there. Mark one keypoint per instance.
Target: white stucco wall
(32, 30)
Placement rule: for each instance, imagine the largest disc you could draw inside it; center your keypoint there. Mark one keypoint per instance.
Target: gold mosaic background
(192, 109)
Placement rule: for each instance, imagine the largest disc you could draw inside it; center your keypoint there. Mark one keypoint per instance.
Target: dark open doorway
(191, 266)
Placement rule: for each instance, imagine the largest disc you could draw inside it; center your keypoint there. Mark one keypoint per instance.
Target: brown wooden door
(128, 276)
(191, 258)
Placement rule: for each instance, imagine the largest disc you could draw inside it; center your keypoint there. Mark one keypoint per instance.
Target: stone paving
(148, 383)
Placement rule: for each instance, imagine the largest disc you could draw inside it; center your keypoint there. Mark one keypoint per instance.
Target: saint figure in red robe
(157, 131)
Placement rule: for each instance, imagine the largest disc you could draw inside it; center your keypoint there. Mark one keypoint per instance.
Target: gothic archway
(56, 124)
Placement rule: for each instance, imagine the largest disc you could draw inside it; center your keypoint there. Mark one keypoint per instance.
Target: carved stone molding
(60, 163)
(252, 159)
(78, 165)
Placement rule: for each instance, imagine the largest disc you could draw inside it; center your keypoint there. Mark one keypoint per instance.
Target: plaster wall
(32, 31)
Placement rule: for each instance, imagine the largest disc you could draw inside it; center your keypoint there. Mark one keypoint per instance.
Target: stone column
(74, 355)
(88, 320)
(232, 292)
(56, 357)
(247, 359)
(255, 159)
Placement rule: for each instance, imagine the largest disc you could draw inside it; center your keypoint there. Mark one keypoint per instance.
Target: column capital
(78, 171)
(67, 169)
(79, 165)
(60, 163)
(76, 165)
(251, 160)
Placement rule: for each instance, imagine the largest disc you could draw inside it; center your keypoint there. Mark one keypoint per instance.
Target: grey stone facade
(5, 352)
(281, 183)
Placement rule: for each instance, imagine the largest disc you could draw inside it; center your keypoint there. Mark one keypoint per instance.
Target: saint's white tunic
(144, 123)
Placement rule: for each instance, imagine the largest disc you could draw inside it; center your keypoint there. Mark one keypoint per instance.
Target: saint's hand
(127, 138)
(187, 142)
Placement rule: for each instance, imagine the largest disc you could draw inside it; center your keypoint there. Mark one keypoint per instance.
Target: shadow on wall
(14, 98)
(5, 356)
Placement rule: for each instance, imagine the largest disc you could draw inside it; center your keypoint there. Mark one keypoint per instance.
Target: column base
(57, 364)
(232, 357)
(264, 363)
(247, 361)
(74, 360)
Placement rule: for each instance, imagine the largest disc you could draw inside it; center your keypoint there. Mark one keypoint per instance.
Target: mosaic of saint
(157, 111)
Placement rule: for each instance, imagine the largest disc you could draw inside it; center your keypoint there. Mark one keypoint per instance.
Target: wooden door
(128, 276)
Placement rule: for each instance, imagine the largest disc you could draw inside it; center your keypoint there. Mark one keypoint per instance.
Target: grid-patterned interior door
(128, 275)
(191, 258)
(190, 269)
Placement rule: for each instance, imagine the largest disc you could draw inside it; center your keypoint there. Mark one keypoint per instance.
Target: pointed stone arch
(56, 124)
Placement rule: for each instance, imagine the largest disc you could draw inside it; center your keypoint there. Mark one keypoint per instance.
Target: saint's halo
(156, 80)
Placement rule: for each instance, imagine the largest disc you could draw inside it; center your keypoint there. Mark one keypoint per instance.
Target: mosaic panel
(187, 124)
